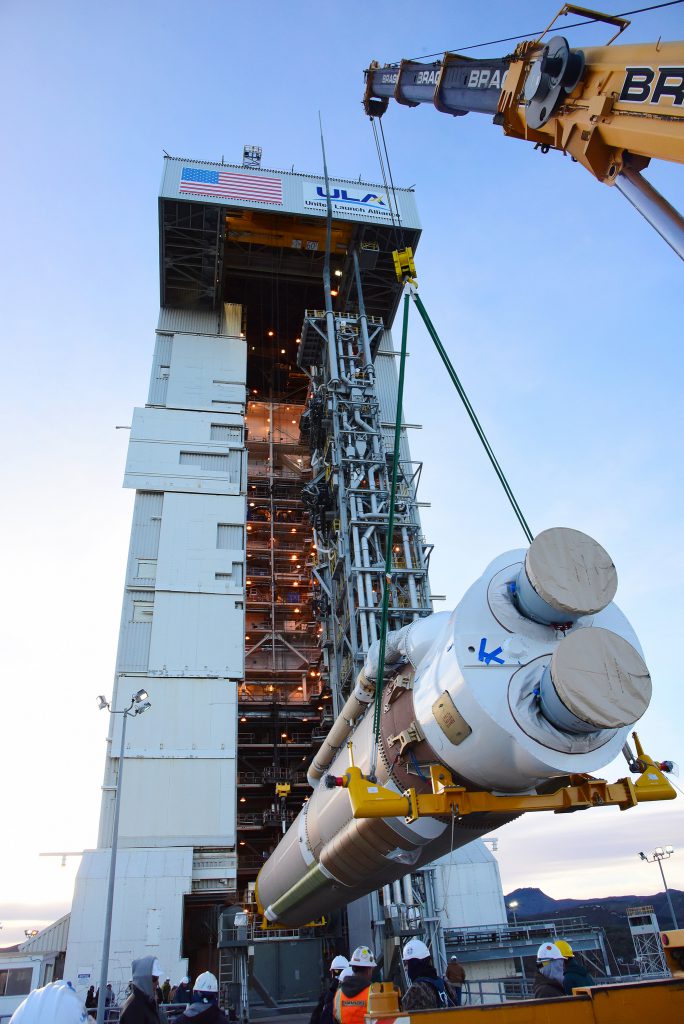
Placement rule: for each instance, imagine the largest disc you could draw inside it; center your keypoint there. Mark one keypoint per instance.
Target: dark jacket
(576, 976)
(183, 994)
(323, 1010)
(427, 991)
(141, 1005)
(546, 988)
(203, 1013)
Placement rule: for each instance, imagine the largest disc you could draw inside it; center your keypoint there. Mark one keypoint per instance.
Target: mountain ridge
(533, 901)
(607, 912)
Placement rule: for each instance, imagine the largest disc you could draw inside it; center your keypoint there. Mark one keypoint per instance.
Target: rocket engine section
(535, 675)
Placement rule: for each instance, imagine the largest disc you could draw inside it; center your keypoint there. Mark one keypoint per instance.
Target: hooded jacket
(548, 981)
(353, 986)
(141, 1005)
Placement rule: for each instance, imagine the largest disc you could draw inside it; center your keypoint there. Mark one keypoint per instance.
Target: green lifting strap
(473, 418)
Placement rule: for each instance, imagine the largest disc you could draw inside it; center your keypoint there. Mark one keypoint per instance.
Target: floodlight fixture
(102, 702)
(141, 708)
(140, 696)
(657, 857)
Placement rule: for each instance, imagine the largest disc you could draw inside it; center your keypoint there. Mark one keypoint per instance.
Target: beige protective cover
(601, 678)
(571, 571)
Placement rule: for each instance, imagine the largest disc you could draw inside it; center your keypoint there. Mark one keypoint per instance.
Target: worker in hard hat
(575, 974)
(57, 1003)
(141, 1007)
(456, 975)
(204, 1008)
(427, 990)
(323, 1010)
(548, 981)
(183, 992)
(350, 1003)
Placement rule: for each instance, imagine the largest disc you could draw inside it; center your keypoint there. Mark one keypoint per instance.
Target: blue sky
(560, 308)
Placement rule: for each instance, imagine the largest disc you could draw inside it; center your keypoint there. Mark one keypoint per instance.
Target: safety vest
(351, 1009)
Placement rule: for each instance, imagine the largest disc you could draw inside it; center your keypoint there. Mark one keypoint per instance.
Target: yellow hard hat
(565, 948)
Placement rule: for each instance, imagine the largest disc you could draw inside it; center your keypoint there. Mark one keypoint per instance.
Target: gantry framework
(348, 497)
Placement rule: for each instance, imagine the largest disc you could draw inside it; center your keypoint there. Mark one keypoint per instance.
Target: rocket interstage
(536, 675)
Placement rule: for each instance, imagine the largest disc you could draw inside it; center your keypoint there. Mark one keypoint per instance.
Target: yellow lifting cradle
(371, 800)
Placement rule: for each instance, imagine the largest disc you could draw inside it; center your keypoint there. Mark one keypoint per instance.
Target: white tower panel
(206, 373)
(197, 634)
(193, 556)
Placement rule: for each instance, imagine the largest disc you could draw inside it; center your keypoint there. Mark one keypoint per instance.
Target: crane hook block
(404, 266)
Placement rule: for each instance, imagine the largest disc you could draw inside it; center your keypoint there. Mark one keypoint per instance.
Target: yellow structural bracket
(277, 926)
(404, 267)
(371, 800)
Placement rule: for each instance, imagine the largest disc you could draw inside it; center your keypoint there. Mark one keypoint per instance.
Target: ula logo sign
(349, 202)
(344, 195)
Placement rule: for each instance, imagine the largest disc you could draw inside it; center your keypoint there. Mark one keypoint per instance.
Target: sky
(560, 308)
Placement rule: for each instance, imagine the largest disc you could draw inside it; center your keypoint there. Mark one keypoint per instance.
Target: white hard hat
(55, 1004)
(363, 957)
(549, 951)
(339, 963)
(415, 950)
(206, 983)
(157, 970)
(346, 973)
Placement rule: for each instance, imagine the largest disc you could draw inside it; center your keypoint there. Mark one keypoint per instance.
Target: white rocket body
(534, 676)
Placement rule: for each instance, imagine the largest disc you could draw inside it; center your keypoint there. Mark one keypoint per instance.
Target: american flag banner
(232, 185)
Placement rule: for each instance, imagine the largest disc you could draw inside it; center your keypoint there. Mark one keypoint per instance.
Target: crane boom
(611, 108)
(608, 107)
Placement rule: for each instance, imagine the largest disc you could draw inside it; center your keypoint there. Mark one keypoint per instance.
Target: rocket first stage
(536, 675)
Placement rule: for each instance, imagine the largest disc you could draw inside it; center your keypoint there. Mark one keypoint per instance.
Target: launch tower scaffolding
(349, 435)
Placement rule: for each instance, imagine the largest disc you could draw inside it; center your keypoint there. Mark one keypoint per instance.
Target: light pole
(658, 856)
(139, 704)
(512, 906)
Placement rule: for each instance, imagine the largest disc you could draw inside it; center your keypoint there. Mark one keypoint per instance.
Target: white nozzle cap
(566, 575)
(596, 680)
